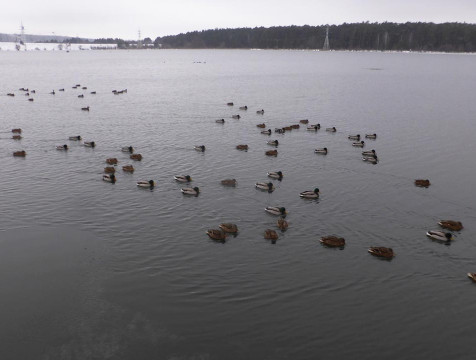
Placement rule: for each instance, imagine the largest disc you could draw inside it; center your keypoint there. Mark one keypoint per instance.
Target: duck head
(282, 210)
(270, 186)
(197, 190)
(448, 236)
(188, 178)
(280, 174)
(316, 191)
(151, 183)
(113, 178)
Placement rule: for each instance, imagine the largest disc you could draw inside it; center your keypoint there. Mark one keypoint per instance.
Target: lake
(93, 270)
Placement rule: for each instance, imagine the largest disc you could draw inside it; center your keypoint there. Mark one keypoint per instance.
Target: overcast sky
(123, 18)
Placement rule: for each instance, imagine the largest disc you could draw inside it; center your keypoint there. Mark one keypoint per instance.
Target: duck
(127, 149)
(229, 182)
(332, 129)
(75, 138)
(279, 131)
(282, 224)
(216, 234)
(182, 178)
(85, 108)
(61, 90)
(312, 128)
(220, 121)
(261, 126)
(21, 153)
(235, 116)
(74, 87)
(322, 151)
(354, 137)
(31, 99)
(265, 186)
(136, 157)
(93, 92)
(230, 104)
(111, 161)
(310, 194)
(439, 235)
(78, 85)
(359, 144)
(109, 178)
(261, 112)
(295, 126)
(273, 142)
(274, 210)
(17, 131)
(81, 96)
(451, 225)
(244, 107)
(191, 191)
(472, 276)
(370, 136)
(287, 128)
(109, 169)
(90, 144)
(84, 88)
(304, 121)
(270, 234)
(333, 241)
(62, 147)
(10, 94)
(422, 183)
(370, 159)
(27, 94)
(229, 228)
(146, 184)
(242, 147)
(381, 251)
(271, 153)
(53, 92)
(33, 91)
(369, 153)
(275, 175)
(266, 132)
(128, 168)
(200, 148)
(16, 137)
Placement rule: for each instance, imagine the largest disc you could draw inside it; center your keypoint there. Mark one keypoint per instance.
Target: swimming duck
(332, 129)
(62, 147)
(128, 168)
(333, 241)
(111, 161)
(230, 104)
(127, 149)
(61, 90)
(90, 144)
(369, 153)
(265, 186)
(261, 126)
(21, 153)
(84, 88)
(74, 87)
(78, 85)
(271, 153)
(422, 183)
(439, 235)
(287, 128)
(182, 178)
(229, 228)
(279, 131)
(261, 112)
(146, 184)
(275, 175)
(274, 210)
(451, 225)
(33, 91)
(270, 235)
(10, 94)
(31, 99)
(310, 194)
(273, 142)
(244, 107)
(136, 157)
(354, 137)
(27, 94)
(282, 224)
(216, 234)
(383, 252)
(109, 169)
(312, 128)
(370, 136)
(304, 121)
(295, 126)
(322, 151)
(16, 131)
(53, 92)
(242, 147)
(81, 96)
(109, 178)
(235, 116)
(93, 92)
(229, 182)
(85, 108)
(359, 144)
(75, 138)
(266, 132)
(370, 159)
(191, 191)
(220, 121)
(472, 276)
(16, 137)
(200, 148)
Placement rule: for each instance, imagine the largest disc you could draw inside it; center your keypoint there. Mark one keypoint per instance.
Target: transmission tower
(139, 41)
(326, 42)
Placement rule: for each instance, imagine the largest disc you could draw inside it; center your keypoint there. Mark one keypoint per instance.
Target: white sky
(123, 18)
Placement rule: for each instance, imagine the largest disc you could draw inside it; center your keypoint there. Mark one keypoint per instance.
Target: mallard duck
(81, 96)
(182, 178)
(332, 129)
(229, 182)
(312, 128)
(439, 235)
(136, 157)
(27, 94)
(279, 131)
(235, 117)
(274, 210)
(230, 104)
(61, 90)
(62, 147)
(31, 99)
(295, 126)
(244, 107)
(191, 191)
(111, 161)
(472, 276)
(422, 183)
(370, 159)
(200, 148)
(322, 151)
(273, 142)
(16, 137)
(84, 88)
(242, 147)
(275, 175)
(282, 224)
(53, 92)
(85, 108)
(354, 137)
(21, 153)
(220, 121)
(370, 136)
(304, 121)
(16, 131)
(127, 149)
(383, 252)
(451, 225)
(216, 234)
(229, 228)
(262, 126)
(146, 184)
(10, 94)
(75, 138)
(93, 92)
(261, 112)
(272, 153)
(109, 178)
(310, 194)
(369, 153)
(270, 235)
(359, 144)
(333, 241)
(287, 128)
(128, 168)
(109, 169)
(266, 132)
(265, 186)
(90, 144)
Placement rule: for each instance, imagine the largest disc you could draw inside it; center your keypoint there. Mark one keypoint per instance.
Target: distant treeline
(447, 37)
